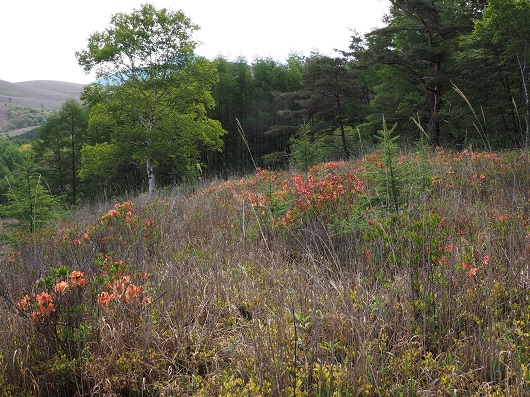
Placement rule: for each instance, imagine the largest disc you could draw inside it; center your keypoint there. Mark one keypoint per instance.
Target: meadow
(400, 273)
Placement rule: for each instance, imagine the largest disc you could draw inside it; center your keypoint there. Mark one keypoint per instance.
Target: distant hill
(45, 94)
(26, 103)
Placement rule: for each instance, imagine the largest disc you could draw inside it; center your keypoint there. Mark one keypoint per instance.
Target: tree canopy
(155, 90)
(455, 72)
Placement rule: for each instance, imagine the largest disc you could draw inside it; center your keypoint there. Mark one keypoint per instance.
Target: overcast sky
(38, 38)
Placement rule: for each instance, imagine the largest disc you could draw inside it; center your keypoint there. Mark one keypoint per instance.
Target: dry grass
(347, 299)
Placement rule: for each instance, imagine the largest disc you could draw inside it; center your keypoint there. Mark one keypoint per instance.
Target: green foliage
(28, 198)
(397, 180)
(303, 153)
(97, 172)
(330, 147)
(387, 177)
(23, 116)
(10, 156)
(306, 152)
(499, 45)
(157, 89)
(58, 148)
(331, 96)
(411, 60)
(264, 96)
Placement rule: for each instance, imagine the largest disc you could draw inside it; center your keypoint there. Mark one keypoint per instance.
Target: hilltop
(25, 104)
(45, 94)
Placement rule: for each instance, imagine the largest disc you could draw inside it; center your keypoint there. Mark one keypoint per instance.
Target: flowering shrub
(467, 168)
(37, 307)
(117, 283)
(326, 191)
(60, 311)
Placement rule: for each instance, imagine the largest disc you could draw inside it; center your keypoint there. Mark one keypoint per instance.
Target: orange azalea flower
(118, 286)
(47, 310)
(133, 292)
(104, 298)
(77, 278)
(76, 274)
(486, 259)
(143, 276)
(60, 287)
(448, 248)
(24, 303)
(35, 317)
(45, 303)
(444, 260)
(502, 217)
(473, 271)
(44, 298)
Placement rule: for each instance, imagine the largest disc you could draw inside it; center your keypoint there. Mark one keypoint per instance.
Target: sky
(38, 39)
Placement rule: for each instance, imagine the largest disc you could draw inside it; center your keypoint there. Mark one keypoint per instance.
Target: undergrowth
(317, 283)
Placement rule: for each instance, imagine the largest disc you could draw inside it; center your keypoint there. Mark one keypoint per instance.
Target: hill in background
(26, 104)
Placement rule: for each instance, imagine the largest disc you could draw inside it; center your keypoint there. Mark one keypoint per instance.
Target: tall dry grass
(342, 297)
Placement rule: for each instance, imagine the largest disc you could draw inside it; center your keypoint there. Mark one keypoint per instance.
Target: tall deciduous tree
(155, 87)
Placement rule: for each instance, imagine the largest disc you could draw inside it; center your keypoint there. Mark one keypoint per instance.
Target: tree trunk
(522, 68)
(151, 178)
(436, 116)
(345, 149)
(74, 168)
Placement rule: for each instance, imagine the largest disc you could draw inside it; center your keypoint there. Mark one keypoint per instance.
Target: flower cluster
(118, 285)
(122, 221)
(122, 290)
(472, 167)
(124, 210)
(40, 306)
(78, 278)
(46, 306)
(286, 199)
(324, 190)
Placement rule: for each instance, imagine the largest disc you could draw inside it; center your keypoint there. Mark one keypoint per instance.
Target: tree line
(452, 73)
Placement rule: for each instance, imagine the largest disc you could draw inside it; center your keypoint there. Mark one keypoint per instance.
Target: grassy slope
(281, 284)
